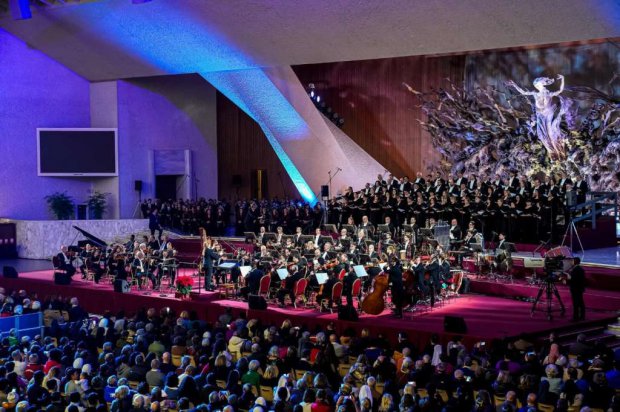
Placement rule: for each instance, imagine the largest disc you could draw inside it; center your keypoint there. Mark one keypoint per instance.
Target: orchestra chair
(267, 393)
(299, 291)
(356, 291)
(263, 288)
(336, 297)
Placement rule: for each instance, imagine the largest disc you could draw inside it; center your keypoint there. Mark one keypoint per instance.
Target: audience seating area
(158, 360)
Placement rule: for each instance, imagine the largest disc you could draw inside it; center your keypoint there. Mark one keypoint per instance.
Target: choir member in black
(408, 246)
(252, 281)
(289, 284)
(577, 284)
(65, 260)
(325, 291)
(581, 187)
(395, 274)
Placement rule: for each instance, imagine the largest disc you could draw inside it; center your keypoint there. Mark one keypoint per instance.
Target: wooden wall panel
(242, 147)
(380, 114)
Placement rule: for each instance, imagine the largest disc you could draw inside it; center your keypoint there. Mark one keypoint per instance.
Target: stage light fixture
(318, 98)
(311, 94)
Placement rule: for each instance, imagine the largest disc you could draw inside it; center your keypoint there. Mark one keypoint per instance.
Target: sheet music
(283, 273)
(227, 265)
(245, 270)
(321, 278)
(360, 271)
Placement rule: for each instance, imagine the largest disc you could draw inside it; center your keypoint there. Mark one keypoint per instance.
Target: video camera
(555, 265)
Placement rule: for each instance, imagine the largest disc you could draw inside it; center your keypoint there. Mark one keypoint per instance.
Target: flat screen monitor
(77, 152)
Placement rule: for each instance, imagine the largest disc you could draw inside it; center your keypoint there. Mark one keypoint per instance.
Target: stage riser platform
(594, 298)
(487, 317)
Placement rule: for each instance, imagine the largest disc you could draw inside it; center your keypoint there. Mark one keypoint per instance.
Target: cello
(373, 303)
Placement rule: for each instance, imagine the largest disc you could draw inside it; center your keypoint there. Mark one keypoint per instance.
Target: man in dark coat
(577, 284)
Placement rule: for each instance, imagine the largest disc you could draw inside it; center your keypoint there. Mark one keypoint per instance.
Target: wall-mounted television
(77, 152)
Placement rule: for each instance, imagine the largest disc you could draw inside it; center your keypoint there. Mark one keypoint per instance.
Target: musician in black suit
(289, 285)
(252, 281)
(577, 285)
(347, 285)
(581, 187)
(297, 237)
(142, 270)
(65, 261)
(209, 256)
(395, 273)
(326, 288)
(455, 235)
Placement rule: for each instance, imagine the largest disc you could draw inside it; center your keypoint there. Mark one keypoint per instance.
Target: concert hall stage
(487, 317)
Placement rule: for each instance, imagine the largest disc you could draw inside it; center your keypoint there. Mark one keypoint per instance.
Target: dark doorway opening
(166, 186)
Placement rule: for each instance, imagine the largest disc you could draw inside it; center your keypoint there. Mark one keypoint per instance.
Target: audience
(158, 361)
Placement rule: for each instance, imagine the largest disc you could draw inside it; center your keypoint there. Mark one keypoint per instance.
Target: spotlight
(318, 98)
(341, 122)
(312, 94)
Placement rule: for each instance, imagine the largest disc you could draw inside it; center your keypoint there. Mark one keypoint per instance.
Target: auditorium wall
(166, 113)
(35, 91)
(380, 114)
(243, 148)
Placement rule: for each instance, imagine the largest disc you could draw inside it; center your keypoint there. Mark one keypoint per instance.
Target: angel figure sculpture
(547, 121)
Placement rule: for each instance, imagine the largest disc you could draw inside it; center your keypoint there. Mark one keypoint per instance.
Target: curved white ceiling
(112, 39)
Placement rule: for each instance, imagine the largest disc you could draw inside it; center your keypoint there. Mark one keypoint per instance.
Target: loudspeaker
(454, 324)
(324, 191)
(236, 180)
(137, 184)
(348, 312)
(257, 302)
(9, 272)
(121, 286)
(61, 278)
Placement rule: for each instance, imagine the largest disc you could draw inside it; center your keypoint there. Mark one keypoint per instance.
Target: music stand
(363, 259)
(250, 237)
(330, 228)
(350, 229)
(360, 271)
(326, 239)
(321, 277)
(282, 273)
(245, 270)
(269, 236)
(509, 247)
(306, 238)
(408, 228)
(383, 229)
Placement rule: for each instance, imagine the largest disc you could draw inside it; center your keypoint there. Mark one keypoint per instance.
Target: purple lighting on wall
(20, 9)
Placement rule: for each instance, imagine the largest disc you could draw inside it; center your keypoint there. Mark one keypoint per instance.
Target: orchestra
(397, 242)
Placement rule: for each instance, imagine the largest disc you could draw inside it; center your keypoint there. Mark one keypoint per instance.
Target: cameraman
(577, 285)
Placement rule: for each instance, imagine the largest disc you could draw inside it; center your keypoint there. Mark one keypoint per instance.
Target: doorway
(166, 186)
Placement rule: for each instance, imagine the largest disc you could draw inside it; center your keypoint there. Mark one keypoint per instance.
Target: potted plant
(97, 204)
(61, 205)
(184, 286)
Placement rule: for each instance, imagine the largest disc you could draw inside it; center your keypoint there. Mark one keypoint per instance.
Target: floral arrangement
(184, 285)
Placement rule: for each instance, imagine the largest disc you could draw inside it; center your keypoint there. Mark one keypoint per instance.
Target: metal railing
(599, 203)
(30, 324)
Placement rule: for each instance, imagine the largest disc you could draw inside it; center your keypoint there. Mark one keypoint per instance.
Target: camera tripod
(548, 287)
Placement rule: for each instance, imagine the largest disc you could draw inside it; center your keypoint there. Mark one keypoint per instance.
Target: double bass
(373, 303)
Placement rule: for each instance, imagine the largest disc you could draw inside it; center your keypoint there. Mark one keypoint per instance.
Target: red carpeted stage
(487, 317)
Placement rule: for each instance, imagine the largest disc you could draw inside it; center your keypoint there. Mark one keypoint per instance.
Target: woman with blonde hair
(387, 403)
(270, 376)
